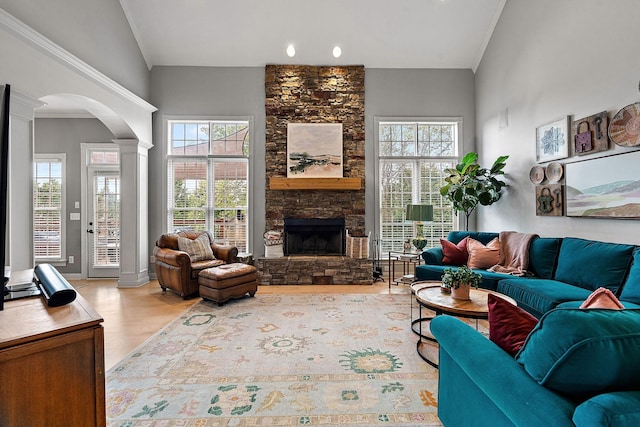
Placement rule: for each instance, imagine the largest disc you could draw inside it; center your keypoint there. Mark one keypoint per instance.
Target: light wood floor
(131, 316)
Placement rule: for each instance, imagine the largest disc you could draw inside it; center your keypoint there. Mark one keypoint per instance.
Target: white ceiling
(253, 33)
(373, 33)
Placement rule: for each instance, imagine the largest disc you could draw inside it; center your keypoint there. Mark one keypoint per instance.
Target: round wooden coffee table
(434, 299)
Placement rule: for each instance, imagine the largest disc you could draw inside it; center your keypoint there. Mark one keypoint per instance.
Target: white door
(103, 223)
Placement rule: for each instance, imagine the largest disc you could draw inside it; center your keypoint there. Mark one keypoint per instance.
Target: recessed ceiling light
(337, 52)
(291, 51)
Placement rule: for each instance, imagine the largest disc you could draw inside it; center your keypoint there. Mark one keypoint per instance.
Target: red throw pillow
(602, 298)
(509, 325)
(455, 254)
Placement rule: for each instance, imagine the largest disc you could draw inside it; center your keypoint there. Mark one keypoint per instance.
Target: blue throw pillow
(590, 264)
(581, 353)
(631, 288)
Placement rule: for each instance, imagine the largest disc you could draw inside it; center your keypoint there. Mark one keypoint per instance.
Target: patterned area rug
(321, 360)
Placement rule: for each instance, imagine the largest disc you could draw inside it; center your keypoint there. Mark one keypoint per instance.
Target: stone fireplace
(315, 94)
(314, 236)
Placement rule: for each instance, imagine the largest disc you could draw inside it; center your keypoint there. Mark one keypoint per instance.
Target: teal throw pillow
(581, 353)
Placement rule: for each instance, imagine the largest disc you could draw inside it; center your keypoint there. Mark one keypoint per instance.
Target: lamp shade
(423, 213)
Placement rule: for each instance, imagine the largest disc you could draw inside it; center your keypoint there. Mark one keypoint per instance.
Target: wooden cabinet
(51, 364)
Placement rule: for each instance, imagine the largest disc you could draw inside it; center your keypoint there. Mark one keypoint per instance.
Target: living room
(512, 82)
(545, 60)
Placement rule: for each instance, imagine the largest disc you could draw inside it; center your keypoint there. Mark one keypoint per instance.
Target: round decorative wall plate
(554, 171)
(624, 129)
(536, 174)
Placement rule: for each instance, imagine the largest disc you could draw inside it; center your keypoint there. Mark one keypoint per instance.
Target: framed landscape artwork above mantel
(314, 150)
(606, 187)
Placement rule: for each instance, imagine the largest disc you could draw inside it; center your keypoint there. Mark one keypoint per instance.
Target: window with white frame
(412, 157)
(208, 178)
(48, 207)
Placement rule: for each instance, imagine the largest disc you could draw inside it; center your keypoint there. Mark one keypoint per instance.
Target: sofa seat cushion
(434, 272)
(621, 408)
(582, 353)
(538, 296)
(591, 264)
(631, 289)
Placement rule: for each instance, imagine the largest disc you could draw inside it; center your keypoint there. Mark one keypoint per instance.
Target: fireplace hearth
(314, 236)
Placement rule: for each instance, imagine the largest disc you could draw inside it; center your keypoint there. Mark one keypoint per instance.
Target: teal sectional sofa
(482, 385)
(563, 270)
(577, 367)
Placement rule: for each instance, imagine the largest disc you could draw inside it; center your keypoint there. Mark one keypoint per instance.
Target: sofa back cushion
(590, 264)
(631, 289)
(581, 353)
(484, 237)
(543, 256)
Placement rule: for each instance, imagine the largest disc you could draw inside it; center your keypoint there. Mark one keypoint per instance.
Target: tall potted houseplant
(468, 185)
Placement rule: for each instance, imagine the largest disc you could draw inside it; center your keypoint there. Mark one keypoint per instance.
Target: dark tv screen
(4, 163)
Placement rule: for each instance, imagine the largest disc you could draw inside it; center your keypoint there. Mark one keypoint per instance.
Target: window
(48, 203)
(208, 178)
(412, 157)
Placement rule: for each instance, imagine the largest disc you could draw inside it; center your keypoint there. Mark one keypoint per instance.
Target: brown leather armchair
(174, 268)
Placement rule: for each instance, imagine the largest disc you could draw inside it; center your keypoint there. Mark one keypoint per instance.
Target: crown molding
(54, 51)
(487, 37)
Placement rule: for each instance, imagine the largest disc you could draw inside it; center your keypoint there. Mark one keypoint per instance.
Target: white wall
(548, 59)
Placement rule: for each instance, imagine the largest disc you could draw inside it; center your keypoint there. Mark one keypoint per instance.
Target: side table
(409, 262)
(245, 258)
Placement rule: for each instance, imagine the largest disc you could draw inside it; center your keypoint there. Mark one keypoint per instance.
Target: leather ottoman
(235, 280)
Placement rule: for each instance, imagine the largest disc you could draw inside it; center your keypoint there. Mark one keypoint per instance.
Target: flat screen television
(5, 95)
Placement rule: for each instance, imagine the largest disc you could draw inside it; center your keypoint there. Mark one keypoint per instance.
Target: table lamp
(420, 214)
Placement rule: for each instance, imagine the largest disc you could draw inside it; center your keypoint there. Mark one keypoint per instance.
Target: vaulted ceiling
(373, 33)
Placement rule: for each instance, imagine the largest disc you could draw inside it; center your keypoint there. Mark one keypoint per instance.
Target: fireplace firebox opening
(314, 236)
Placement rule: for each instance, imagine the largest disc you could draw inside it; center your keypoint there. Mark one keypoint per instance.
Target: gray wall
(548, 59)
(96, 31)
(206, 92)
(65, 136)
(415, 93)
(224, 92)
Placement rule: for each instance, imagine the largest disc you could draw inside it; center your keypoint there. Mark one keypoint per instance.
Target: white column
(20, 198)
(134, 251)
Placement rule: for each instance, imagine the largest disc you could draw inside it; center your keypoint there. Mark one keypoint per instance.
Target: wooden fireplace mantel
(276, 183)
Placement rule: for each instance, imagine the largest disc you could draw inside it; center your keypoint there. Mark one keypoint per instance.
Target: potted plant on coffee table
(460, 281)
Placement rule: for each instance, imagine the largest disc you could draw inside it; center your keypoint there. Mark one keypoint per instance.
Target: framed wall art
(314, 150)
(605, 187)
(590, 134)
(549, 200)
(552, 140)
